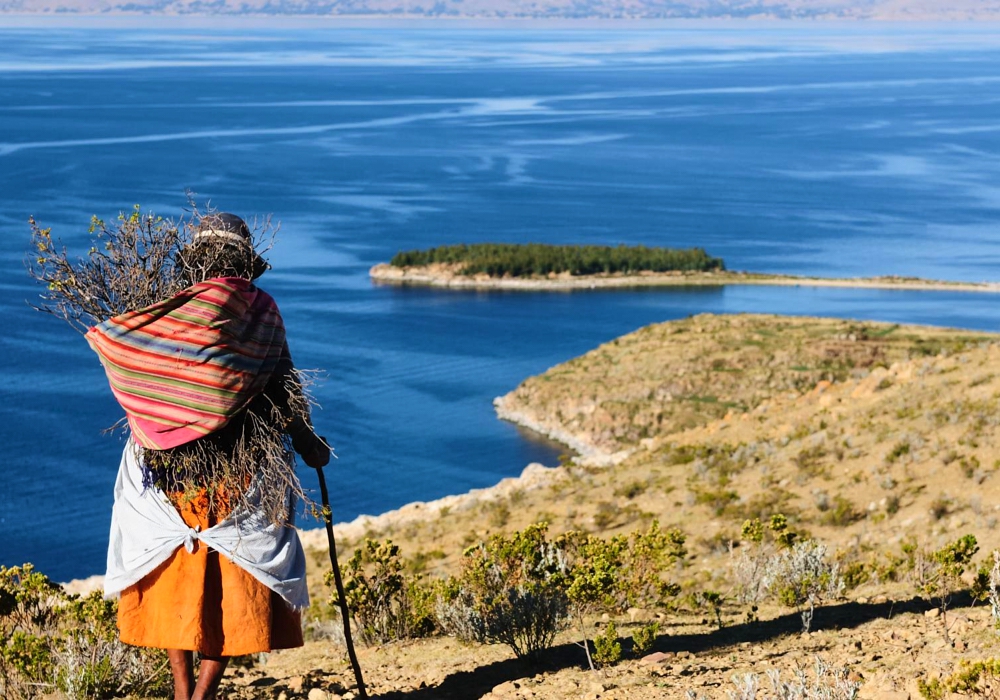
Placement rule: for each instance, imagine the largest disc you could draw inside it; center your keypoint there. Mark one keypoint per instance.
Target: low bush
(825, 682)
(937, 575)
(386, 603)
(973, 678)
(794, 570)
(51, 641)
(713, 601)
(802, 576)
(607, 648)
(521, 589)
(644, 638)
(624, 571)
(621, 572)
(511, 590)
(993, 590)
(91, 662)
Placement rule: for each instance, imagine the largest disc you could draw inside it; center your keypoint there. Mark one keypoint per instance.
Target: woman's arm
(285, 392)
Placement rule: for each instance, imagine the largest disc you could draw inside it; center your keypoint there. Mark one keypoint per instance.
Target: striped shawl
(182, 368)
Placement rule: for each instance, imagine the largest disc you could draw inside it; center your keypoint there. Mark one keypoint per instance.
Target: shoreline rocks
(441, 275)
(589, 455)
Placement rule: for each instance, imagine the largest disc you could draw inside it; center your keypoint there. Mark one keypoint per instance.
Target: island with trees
(539, 267)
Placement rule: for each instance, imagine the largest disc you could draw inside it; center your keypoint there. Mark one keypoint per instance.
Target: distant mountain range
(539, 9)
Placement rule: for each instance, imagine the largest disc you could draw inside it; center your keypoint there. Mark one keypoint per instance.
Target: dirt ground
(884, 645)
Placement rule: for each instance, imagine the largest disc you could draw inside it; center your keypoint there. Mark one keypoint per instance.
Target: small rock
(657, 657)
(318, 694)
(505, 688)
(960, 645)
(862, 600)
(282, 695)
(295, 684)
(933, 612)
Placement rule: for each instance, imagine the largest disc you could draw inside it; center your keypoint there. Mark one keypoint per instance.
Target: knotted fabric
(183, 367)
(146, 529)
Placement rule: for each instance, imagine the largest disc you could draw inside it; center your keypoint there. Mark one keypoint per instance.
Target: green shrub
(386, 603)
(607, 648)
(939, 574)
(521, 589)
(842, 513)
(973, 678)
(28, 616)
(632, 489)
(624, 571)
(511, 590)
(51, 641)
(711, 600)
(499, 513)
(940, 507)
(606, 514)
(644, 638)
(93, 663)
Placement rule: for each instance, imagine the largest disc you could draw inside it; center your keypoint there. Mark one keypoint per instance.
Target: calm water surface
(814, 149)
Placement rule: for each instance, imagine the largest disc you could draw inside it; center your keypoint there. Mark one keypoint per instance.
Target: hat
(223, 245)
(223, 226)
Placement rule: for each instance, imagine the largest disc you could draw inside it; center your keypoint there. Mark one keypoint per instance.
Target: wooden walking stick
(344, 612)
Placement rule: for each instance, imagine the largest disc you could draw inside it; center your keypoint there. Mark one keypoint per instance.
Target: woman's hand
(319, 455)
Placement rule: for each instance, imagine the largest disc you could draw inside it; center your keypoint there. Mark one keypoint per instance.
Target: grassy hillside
(875, 439)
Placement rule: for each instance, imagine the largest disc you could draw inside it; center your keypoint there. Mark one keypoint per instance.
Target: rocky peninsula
(874, 438)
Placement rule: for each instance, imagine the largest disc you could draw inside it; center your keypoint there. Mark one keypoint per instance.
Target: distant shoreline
(48, 17)
(442, 276)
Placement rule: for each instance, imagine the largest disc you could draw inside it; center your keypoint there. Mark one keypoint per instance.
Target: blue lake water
(811, 149)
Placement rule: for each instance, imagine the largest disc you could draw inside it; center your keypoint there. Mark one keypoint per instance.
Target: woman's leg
(209, 677)
(183, 670)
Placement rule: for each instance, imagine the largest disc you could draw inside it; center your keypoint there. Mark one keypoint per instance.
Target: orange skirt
(200, 601)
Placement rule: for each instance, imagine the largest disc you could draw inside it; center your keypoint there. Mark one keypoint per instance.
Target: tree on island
(538, 259)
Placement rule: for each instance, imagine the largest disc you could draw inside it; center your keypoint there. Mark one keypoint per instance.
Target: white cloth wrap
(146, 529)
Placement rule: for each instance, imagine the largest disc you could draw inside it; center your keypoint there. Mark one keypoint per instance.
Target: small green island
(541, 259)
(545, 267)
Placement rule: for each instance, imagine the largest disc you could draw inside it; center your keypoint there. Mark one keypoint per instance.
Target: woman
(203, 551)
